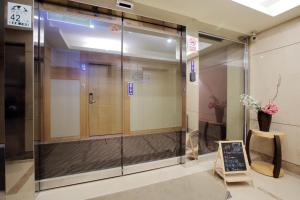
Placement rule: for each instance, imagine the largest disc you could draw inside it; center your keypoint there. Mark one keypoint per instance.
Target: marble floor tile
(265, 188)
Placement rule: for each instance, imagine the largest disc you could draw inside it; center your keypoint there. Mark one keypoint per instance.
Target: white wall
(277, 51)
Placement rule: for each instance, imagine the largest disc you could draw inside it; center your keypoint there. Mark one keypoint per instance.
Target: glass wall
(213, 108)
(221, 82)
(108, 96)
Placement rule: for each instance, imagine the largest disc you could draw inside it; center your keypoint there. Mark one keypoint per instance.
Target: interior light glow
(37, 17)
(68, 19)
(83, 67)
(270, 7)
(169, 40)
(92, 26)
(103, 44)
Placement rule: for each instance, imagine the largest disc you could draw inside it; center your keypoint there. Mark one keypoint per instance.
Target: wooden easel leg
(192, 146)
(225, 183)
(215, 164)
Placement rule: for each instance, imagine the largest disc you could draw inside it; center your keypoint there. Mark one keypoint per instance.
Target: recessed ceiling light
(270, 7)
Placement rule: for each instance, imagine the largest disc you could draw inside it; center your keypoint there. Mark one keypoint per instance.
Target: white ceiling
(223, 14)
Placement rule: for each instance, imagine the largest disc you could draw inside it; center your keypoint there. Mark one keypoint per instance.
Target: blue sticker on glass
(192, 66)
(130, 89)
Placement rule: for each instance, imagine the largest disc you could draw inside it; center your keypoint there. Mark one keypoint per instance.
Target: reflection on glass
(80, 95)
(154, 106)
(93, 110)
(15, 103)
(221, 81)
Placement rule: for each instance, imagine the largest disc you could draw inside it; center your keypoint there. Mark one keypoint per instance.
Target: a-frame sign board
(232, 163)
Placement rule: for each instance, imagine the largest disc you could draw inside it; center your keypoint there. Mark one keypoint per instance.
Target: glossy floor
(266, 188)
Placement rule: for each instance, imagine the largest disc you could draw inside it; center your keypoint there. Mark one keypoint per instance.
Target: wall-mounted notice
(19, 15)
(130, 88)
(192, 44)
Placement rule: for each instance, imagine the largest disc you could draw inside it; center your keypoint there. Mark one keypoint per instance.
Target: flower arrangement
(271, 108)
(264, 113)
(250, 102)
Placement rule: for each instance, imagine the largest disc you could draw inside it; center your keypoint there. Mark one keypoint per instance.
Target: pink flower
(270, 108)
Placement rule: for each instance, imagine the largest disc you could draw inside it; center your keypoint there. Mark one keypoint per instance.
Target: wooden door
(104, 100)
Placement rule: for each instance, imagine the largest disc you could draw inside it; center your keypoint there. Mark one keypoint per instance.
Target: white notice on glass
(19, 15)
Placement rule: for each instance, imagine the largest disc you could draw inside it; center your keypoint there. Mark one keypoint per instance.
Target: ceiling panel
(223, 14)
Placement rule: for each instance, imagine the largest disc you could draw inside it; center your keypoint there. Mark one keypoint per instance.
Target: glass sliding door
(109, 96)
(153, 97)
(80, 98)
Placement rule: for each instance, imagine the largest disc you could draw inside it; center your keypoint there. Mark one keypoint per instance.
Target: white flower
(249, 102)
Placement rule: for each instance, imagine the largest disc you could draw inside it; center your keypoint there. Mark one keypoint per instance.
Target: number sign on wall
(19, 15)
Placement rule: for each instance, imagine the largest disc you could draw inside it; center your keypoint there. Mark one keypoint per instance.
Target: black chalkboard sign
(233, 156)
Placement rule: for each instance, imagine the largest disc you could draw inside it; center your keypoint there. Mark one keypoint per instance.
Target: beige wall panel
(277, 51)
(235, 111)
(65, 108)
(280, 36)
(265, 70)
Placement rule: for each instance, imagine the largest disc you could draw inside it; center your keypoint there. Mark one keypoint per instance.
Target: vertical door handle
(91, 98)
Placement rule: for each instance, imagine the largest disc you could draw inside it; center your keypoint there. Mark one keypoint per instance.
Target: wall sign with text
(19, 15)
(192, 44)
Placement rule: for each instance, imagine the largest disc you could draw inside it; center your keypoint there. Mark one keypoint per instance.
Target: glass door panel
(104, 108)
(81, 98)
(153, 106)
